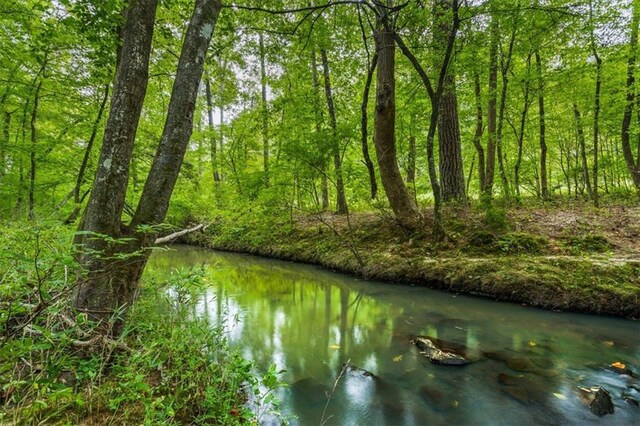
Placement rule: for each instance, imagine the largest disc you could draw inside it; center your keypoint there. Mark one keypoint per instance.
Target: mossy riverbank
(566, 260)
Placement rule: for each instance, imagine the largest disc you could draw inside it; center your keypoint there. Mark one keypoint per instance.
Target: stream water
(529, 364)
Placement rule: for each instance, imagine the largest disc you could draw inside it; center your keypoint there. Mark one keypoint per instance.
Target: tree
(111, 271)
(632, 100)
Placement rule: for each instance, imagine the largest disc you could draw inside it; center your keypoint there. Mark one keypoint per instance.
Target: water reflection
(309, 322)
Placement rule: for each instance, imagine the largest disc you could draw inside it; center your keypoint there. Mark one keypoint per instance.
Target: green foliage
(495, 218)
(521, 243)
(170, 367)
(590, 243)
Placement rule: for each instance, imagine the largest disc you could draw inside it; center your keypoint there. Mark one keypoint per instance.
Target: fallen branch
(175, 235)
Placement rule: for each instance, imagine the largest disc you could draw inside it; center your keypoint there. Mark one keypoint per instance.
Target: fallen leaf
(397, 358)
(559, 395)
(334, 346)
(618, 364)
(532, 343)
(608, 343)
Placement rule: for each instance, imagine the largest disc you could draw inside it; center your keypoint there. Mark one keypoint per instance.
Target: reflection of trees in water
(310, 322)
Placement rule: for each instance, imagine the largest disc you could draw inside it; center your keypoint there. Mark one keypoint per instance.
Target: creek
(528, 364)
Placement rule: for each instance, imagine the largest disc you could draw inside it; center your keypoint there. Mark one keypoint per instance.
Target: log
(171, 237)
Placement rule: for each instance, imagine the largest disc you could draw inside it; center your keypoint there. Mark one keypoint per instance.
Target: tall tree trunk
(265, 112)
(633, 164)
(33, 151)
(373, 185)
(491, 109)
(450, 149)
(477, 136)
(583, 149)
(523, 122)
(596, 108)
(77, 189)
(341, 204)
(109, 284)
(324, 184)
(504, 70)
(542, 128)
(212, 142)
(401, 202)
(107, 287)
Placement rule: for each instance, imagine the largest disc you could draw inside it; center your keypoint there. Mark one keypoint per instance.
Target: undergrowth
(169, 367)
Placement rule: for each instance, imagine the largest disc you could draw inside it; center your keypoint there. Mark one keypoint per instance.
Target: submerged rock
(522, 389)
(357, 371)
(436, 353)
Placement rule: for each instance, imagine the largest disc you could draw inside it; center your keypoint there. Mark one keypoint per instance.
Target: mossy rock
(522, 243)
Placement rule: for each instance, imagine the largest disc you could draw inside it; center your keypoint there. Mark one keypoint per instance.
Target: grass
(169, 367)
(553, 258)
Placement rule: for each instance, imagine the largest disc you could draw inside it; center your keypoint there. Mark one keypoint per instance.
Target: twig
(323, 421)
(175, 235)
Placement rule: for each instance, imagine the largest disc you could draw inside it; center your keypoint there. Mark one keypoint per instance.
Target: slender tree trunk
(506, 66)
(583, 149)
(411, 161)
(265, 112)
(364, 130)
(633, 164)
(401, 202)
(77, 190)
(324, 184)
(341, 204)
(523, 122)
(477, 136)
(596, 107)
(212, 142)
(33, 151)
(491, 109)
(4, 143)
(542, 128)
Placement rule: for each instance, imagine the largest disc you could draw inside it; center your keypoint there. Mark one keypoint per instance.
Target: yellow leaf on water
(618, 364)
(532, 343)
(397, 358)
(559, 395)
(334, 346)
(608, 343)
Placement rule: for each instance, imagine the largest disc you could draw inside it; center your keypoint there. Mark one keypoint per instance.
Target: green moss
(590, 243)
(521, 243)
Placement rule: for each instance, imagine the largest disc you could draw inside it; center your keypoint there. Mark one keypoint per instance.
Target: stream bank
(563, 260)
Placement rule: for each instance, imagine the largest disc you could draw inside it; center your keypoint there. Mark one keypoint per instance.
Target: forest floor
(568, 257)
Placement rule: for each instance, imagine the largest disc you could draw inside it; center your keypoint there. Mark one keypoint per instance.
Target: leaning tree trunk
(112, 271)
(401, 202)
(341, 204)
(32, 153)
(213, 151)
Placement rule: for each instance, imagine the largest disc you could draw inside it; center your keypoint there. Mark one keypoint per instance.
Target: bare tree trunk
(633, 164)
(77, 198)
(4, 143)
(401, 202)
(364, 131)
(341, 204)
(265, 112)
(583, 149)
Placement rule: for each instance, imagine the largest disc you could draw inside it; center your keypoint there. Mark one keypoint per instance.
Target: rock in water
(598, 399)
(429, 347)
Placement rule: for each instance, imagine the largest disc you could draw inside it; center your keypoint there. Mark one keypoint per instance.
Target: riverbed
(528, 364)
